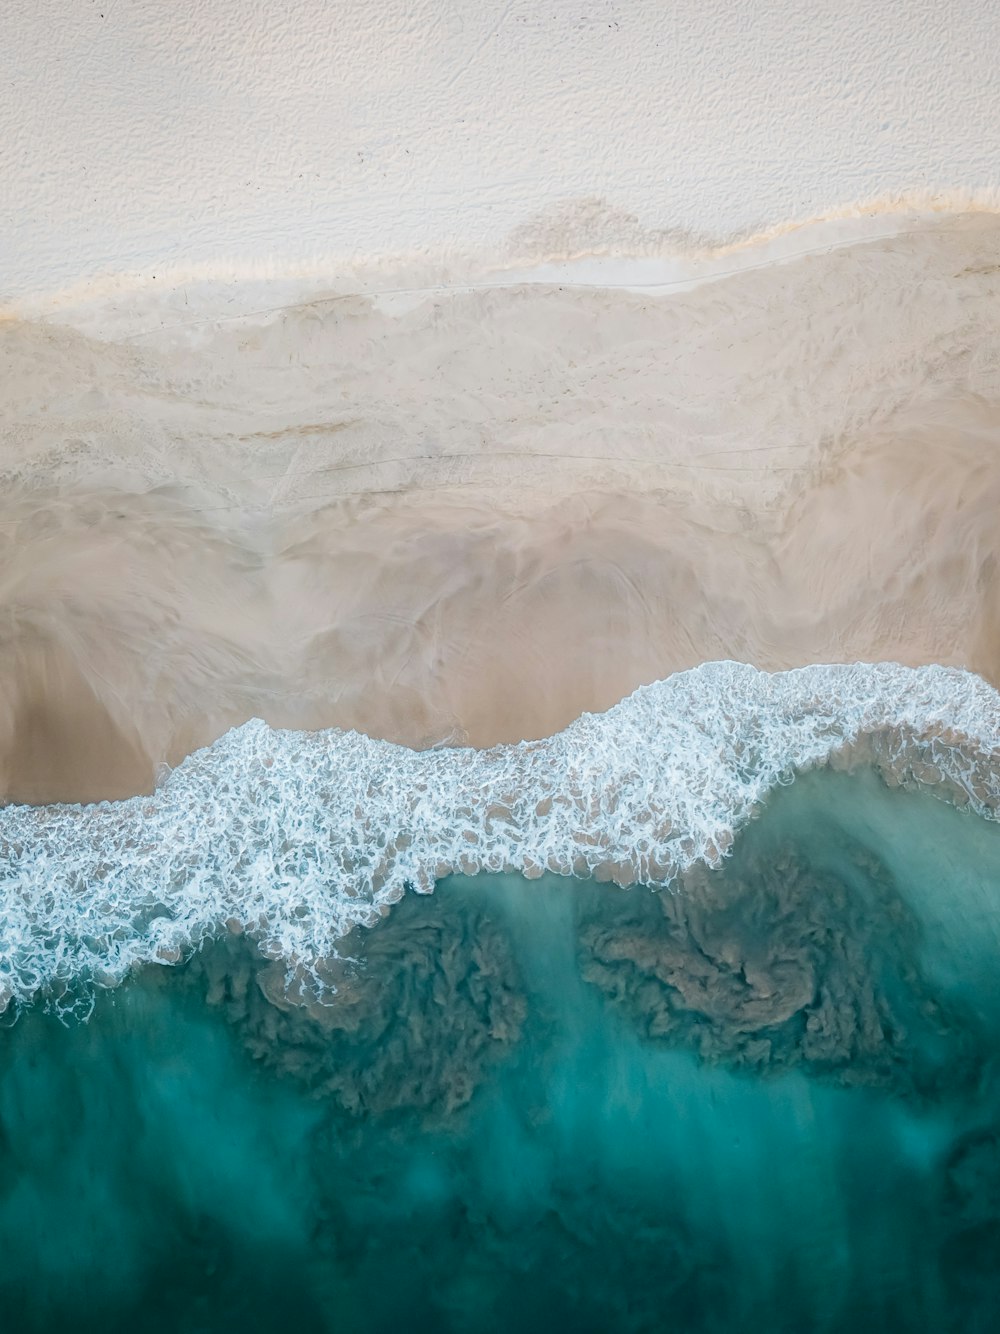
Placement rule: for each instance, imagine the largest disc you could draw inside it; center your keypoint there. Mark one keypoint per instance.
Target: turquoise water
(768, 1102)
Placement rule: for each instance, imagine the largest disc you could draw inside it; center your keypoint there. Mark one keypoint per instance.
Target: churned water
(765, 1099)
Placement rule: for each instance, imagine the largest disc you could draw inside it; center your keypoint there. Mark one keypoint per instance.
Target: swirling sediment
(298, 838)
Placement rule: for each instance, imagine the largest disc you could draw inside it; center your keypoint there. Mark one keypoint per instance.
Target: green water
(770, 1103)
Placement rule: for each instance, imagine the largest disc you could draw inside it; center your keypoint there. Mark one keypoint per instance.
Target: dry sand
(477, 518)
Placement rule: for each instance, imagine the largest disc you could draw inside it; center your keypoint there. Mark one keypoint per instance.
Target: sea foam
(298, 838)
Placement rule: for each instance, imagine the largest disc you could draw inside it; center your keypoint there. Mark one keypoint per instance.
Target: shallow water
(768, 1101)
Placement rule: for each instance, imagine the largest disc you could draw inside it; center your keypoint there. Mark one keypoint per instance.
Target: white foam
(300, 837)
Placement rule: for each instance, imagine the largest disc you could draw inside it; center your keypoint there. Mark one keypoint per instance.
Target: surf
(299, 838)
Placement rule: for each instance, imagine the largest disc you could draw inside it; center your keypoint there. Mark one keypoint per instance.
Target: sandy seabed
(473, 515)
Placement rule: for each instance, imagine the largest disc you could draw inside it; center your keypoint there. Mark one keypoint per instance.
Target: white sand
(205, 132)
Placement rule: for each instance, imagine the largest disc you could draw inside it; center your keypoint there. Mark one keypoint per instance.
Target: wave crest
(298, 838)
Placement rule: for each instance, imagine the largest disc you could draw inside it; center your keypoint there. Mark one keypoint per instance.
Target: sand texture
(474, 516)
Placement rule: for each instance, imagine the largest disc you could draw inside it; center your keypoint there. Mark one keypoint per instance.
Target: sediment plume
(300, 838)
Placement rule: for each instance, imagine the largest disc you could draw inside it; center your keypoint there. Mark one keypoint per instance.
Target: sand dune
(479, 517)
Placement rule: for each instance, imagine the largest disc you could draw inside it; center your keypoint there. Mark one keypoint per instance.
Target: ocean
(758, 1090)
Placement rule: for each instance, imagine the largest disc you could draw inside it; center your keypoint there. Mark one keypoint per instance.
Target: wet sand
(477, 517)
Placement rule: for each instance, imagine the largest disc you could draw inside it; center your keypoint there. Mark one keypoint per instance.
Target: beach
(360, 513)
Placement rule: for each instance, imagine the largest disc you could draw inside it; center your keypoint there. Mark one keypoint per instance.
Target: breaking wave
(298, 838)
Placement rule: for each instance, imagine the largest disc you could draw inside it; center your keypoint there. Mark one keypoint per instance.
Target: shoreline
(299, 838)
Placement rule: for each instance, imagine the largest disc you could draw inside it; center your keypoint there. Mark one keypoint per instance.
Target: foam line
(300, 837)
